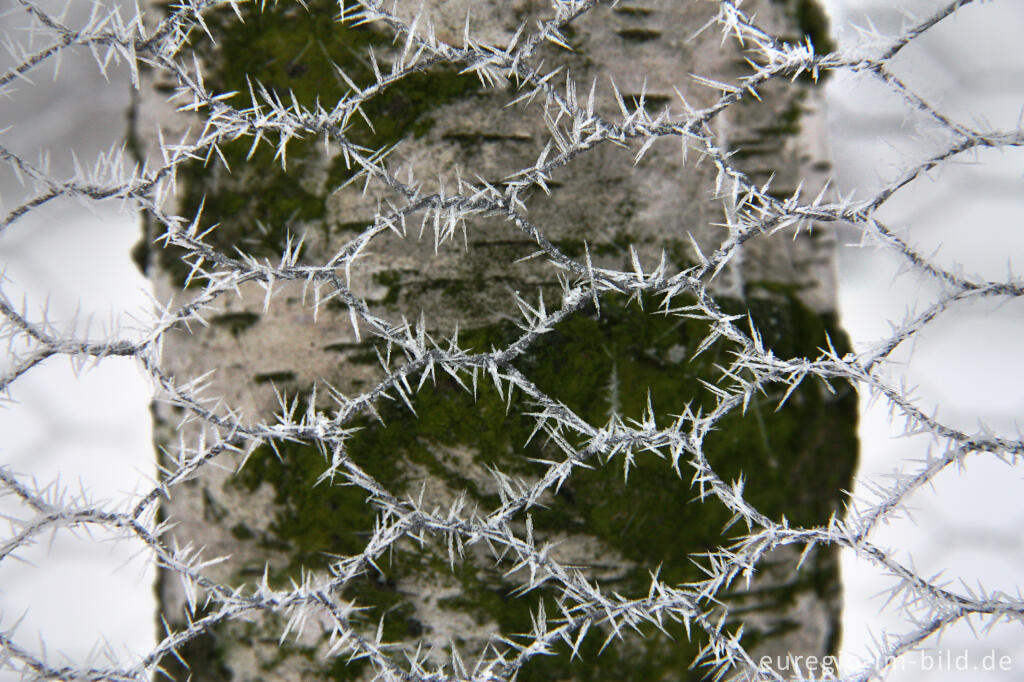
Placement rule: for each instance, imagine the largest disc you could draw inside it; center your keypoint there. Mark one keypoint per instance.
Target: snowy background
(971, 212)
(90, 426)
(87, 427)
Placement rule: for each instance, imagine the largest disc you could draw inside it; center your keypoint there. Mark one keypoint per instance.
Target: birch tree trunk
(279, 519)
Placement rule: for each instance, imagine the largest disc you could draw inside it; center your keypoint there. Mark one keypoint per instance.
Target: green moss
(651, 520)
(389, 279)
(293, 52)
(311, 519)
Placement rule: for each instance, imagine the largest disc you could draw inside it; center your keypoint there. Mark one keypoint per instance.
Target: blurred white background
(968, 365)
(93, 430)
(78, 594)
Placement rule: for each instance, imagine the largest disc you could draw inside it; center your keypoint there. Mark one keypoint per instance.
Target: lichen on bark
(274, 516)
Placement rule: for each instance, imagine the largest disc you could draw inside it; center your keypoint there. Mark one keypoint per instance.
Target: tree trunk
(617, 519)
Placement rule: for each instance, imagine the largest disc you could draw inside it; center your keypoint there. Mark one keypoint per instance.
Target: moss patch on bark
(294, 54)
(796, 461)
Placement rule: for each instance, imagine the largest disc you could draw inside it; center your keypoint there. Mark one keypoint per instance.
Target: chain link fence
(723, 381)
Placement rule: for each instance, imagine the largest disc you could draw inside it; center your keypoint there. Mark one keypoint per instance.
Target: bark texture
(271, 517)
